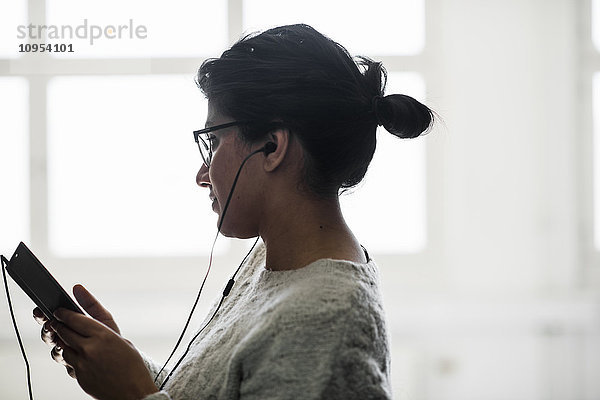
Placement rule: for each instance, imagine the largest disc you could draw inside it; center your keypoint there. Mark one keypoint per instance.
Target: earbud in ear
(269, 148)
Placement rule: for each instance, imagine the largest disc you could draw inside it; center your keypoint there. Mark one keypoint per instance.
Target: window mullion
(38, 163)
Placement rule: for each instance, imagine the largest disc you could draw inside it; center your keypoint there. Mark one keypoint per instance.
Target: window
(138, 28)
(12, 14)
(122, 164)
(596, 118)
(14, 162)
(400, 30)
(595, 87)
(596, 23)
(394, 188)
(102, 163)
(117, 115)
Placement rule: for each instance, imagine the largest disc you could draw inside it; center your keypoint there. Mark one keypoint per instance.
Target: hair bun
(402, 115)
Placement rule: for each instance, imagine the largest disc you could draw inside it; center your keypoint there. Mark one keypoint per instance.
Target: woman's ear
(281, 138)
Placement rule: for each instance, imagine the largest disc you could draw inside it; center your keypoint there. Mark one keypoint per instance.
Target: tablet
(35, 280)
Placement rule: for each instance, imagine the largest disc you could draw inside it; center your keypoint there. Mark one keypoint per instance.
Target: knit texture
(317, 332)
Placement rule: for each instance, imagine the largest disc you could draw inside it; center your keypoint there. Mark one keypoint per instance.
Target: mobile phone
(35, 280)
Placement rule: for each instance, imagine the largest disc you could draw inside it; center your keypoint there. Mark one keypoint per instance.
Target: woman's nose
(202, 177)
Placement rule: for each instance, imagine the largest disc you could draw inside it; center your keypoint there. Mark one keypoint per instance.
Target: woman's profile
(291, 124)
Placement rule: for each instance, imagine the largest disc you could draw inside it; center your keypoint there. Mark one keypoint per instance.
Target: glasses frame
(207, 152)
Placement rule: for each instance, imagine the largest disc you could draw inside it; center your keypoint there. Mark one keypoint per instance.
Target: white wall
(504, 311)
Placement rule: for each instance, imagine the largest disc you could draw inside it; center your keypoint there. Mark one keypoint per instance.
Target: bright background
(486, 231)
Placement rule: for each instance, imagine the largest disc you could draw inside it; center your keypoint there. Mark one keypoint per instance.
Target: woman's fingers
(71, 371)
(68, 336)
(70, 357)
(48, 335)
(93, 307)
(57, 352)
(57, 355)
(39, 316)
(82, 324)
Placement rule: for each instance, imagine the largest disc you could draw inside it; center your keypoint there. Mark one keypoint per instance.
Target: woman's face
(228, 153)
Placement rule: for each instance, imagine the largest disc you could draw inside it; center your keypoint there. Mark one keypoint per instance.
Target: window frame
(38, 71)
(590, 58)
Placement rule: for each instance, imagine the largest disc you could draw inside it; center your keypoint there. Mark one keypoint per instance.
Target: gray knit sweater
(317, 332)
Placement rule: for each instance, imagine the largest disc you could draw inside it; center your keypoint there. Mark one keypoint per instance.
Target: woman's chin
(234, 231)
(230, 233)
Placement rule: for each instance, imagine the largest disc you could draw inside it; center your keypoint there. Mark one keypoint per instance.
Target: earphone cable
(227, 288)
(225, 293)
(4, 262)
(235, 183)
(191, 312)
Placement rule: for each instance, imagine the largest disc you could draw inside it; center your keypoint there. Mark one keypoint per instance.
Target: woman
(295, 116)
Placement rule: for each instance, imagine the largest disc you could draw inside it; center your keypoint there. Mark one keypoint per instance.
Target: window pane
(13, 16)
(596, 108)
(113, 28)
(14, 163)
(122, 164)
(384, 27)
(596, 23)
(388, 210)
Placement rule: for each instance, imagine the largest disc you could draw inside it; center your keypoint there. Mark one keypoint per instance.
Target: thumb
(94, 308)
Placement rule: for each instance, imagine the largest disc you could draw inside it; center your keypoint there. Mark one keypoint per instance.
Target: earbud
(269, 147)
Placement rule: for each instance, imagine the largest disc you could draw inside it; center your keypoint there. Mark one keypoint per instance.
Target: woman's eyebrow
(208, 124)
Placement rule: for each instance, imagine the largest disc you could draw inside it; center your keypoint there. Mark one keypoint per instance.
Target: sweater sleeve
(338, 352)
(153, 367)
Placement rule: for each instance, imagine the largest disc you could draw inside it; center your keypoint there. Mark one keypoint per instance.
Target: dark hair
(329, 101)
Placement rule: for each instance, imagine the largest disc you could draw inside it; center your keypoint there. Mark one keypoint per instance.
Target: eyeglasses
(206, 148)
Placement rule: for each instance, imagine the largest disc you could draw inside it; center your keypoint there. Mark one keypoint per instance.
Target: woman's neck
(300, 232)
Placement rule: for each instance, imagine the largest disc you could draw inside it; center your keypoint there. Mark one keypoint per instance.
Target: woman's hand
(91, 305)
(105, 365)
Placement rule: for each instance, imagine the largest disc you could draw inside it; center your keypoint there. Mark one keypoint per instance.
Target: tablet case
(35, 280)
